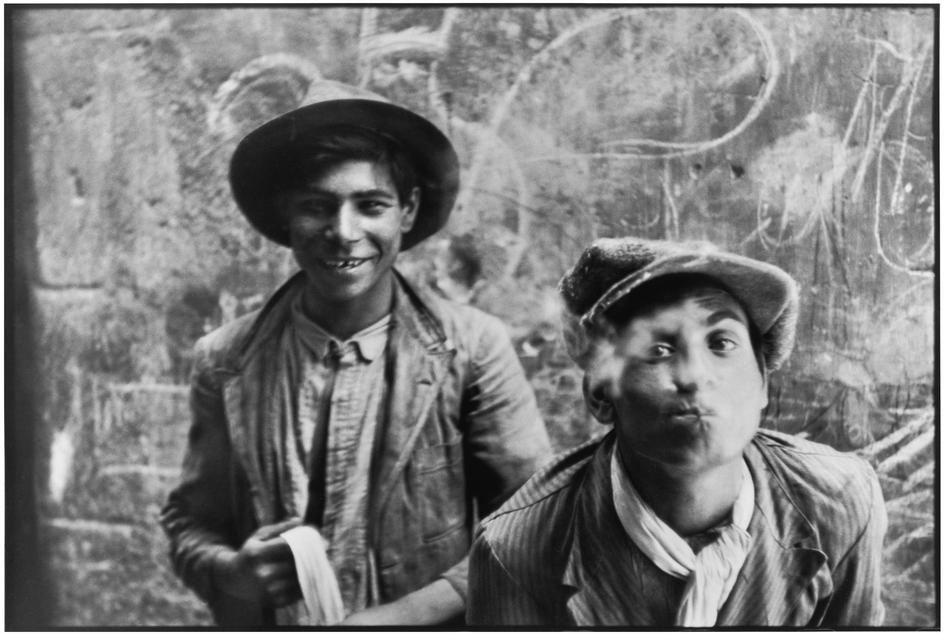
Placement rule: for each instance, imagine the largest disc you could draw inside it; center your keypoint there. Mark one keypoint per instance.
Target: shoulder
(223, 346)
(815, 466)
(466, 326)
(459, 318)
(220, 347)
(539, 512)
(529, 536)
(836, 491)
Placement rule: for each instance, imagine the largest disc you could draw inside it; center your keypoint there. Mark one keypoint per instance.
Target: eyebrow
(374, 193)
(722, 314)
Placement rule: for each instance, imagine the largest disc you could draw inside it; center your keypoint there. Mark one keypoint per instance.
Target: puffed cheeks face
(680, 381)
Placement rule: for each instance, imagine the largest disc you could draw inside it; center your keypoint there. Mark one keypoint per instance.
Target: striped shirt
(556, 554)
(329, 444)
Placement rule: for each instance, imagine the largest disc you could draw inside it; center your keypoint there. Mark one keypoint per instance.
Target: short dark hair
(343, 143)
(669, 289)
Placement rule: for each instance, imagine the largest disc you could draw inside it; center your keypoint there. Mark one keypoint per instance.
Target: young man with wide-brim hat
(353, 403)
(686, 514)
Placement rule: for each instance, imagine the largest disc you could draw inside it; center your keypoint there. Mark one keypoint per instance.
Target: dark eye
(660, 351)
(313, 207)
(374, 207)
(723, 343)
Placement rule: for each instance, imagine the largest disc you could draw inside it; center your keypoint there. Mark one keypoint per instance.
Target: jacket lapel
(419, 359)
(602, 559)
(241, 398)
(784, 574)
(253, 399)
(782, 579)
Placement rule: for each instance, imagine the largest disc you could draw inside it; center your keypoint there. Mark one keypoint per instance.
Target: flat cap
(611, 269)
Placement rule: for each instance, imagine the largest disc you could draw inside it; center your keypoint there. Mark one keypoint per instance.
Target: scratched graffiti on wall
(664, 123)
(799, 136)
(762, 132)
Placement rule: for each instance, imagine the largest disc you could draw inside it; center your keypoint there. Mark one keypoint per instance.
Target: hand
(430, 605)
(263, 569)
(396, 613)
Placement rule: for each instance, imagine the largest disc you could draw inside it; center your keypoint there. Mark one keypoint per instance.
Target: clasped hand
(263, 569)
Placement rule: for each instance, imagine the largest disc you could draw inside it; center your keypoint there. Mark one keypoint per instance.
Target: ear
(599, 403)
(410, 207)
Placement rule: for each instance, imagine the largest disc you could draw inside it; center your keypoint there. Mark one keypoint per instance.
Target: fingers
(269, 551)
(279, 583)
(274, 530)
(270, 565)
(283, 592)
(264, 570)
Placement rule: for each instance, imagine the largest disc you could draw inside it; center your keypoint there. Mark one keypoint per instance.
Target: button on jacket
(461, 432)
(556, 554)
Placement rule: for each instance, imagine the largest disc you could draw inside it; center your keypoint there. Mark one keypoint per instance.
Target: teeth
(344, 264)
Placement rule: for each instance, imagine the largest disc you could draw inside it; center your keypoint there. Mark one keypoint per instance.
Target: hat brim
(265, 152)
(765, 291)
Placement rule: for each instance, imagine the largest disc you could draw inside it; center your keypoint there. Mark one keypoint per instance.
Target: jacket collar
(601, 555)
(784, 562)
(416, 366)
(411, 311)
(268, 323)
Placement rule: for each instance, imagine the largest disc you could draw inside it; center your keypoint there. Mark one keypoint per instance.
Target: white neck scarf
(712, 572)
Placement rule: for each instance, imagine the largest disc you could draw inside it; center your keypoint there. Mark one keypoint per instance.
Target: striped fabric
(556, 555)
(710, 572)
(327, 445)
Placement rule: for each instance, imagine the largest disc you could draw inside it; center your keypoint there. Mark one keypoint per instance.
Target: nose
(691, 372)
(344, 225)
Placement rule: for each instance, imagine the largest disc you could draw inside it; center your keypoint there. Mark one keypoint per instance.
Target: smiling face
(346, 223)
(690, 388)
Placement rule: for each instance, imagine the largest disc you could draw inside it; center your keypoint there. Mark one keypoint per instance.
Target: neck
(348, 317)
(690, 503)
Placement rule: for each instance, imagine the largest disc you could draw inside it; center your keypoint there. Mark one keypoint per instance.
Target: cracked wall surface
(800, 136)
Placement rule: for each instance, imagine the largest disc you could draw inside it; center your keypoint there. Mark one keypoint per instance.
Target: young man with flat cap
(353, 405)
(685, 514)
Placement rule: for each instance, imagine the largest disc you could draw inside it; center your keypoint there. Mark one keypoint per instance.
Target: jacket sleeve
(505, 434)
(506, 440)
(857, 578)
(495, 599)
(198, 516)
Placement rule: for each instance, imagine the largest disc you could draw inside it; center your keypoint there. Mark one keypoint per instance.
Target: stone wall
(798, 136)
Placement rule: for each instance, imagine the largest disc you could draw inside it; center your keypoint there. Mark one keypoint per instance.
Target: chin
(345, 295)
(693, 459)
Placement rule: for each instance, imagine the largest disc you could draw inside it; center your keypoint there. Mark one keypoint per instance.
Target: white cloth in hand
(320, 593)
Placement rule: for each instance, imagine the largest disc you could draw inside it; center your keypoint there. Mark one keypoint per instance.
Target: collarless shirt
(341, 392)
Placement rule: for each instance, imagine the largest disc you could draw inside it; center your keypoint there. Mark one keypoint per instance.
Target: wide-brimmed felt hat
(611, 269)
(265, 154)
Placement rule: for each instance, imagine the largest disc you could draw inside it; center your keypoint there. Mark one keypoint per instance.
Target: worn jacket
(461, 432)
(556, 554)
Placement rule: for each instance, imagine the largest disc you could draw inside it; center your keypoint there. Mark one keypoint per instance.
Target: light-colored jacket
(556, 554)
(461, 432)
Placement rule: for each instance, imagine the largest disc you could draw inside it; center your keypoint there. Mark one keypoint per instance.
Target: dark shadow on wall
(28, 597)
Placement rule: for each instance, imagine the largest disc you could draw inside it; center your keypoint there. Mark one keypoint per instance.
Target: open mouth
(343, 264)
